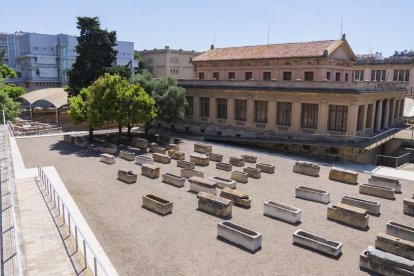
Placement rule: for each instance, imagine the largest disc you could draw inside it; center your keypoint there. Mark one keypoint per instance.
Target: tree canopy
(95, 51)
(6, 72)
(123, 71)
(8, 103)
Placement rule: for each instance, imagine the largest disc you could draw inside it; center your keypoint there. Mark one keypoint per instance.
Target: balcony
(312, 86)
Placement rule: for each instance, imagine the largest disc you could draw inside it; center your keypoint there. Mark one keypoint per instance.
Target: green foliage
(13, 91)
(6, 72)
(145, 79)
(123, 71)
(2, 53)
(78, 111)
(95, 53)
(140, 59)
(10, 107)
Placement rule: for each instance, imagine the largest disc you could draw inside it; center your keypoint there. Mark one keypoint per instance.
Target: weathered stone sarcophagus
(199, 160)
(241, 177)
(344, 176)
(127, 155)
(203, 148)
(215, 205)
(142, 159)
(394, 245)
(306, 168)
(176, 154)
(240, 235)
(408, 207)
(107, 158)
(157, 204)
(249, 158)
(215, 157)
(238, 197)
(266, 168)
(348, 214)
(236, 161)
(151, 171)
(187, 173)
(282, 211)
(172, 147)
(161, 158)
(157, 149)
(386, 182)
(127, 176)
(372, 207)
(312, 194)
(198, 184)
(80, 141)
(68, 138)
(224, 182)
(139, 143)
(93, 147)
(224, 166)
(377, 191)
(172, 179)
(185, 164)
(109, 148)
(318, 243)
(401, 231)
(253, 172)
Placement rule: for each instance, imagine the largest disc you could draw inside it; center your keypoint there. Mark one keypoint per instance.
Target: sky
(370, 25)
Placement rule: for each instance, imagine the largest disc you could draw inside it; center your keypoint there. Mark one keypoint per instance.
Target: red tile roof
(272, 51)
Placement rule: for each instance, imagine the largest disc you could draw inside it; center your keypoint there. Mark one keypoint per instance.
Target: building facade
(169, 62)
(42, 60)
(300, 93)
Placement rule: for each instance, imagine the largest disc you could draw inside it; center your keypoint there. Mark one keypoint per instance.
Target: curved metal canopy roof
(58, 97)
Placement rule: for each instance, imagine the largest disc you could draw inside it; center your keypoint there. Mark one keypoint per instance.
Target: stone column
(196, 108)
(230, 110)
(271, 114)
(364, 119)
(378, 116)
(296, 111)
(250, 112)
(392, 111)
(387, 113)
(397, 110)
(323, 117)
(374, 109)
(212, 110)
(352, 120)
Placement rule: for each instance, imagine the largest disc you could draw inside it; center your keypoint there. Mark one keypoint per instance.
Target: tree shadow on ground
(65, 148)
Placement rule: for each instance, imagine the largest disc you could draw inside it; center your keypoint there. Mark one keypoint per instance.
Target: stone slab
(139, 143)
(249, 158)
(127, 155)
(385, 181)
(203, 148)
(176, 154)
(236, 161)
(381, 268)
(161, 158)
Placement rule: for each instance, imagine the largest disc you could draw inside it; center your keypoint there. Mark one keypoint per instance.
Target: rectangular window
(338, 77)
(369, 116)
(360, 120)
(37, 72)
(284, 113)
(358, 75)
(346, 77)
(221, 105)
(308, 76)
(401, 75)
(287, 76)
(201, 76)
(260, 111)
(240, 110)
(248, 75)
(378, 75)
(232, 75)
(204, 107)
(309, 118)
(338, 117)
(189, 107)
(328, 76)
(216, 75)
(267, 76)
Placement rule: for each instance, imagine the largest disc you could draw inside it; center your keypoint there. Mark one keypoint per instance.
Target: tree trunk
(90, 133)
(147, 128)
(119, 132)
(129, 132)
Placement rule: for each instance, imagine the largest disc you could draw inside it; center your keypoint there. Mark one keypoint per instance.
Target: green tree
(95, 53)
(6, 72)
(140, 59)
(169, 101)
(145, 79)
(2, 53)
(13, 91)
(123, 71)
(11, 108)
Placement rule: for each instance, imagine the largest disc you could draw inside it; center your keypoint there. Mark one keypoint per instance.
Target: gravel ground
(140, 242)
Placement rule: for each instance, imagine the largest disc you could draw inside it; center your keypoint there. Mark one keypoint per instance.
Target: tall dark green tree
(96, 52)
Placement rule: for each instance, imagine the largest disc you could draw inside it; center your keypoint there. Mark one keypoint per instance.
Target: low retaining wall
(240, 235)
(157, 204)
(215, 205)
(318, 243)
(282, 211)
(372, 207)
(350, 215)
(377, 191)
(306, 168)
(344, 176)
(312, 194)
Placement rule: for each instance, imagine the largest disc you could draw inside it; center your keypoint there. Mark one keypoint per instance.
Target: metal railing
(62, 209)
(393, 161)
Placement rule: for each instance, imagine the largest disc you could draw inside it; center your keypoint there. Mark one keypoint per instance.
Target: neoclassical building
(292, 96)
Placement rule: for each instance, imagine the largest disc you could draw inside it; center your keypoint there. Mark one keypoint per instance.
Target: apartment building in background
(169, 62)
(42, 60)
(297, 92)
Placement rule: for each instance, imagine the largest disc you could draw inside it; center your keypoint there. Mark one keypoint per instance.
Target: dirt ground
(140, 242)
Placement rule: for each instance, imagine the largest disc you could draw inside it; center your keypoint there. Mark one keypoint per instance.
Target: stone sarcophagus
(203, 148)
(394, 245)
(172, 179)
(157, 204)
(199, 160)
(215, 157)
(401, 231)
(142, 159)
(172, 147)
(312, 194)
(253, 172)
(238, 197)
(109, 148)
(266, 168)
(241, 177)
(318, 243)
(151, 171)
(127, 176)
(157, 149)
(372, 207)
(224, 182)
(408, 207)
(249, 158)
(107, 158)
(127, 155)
(348, 214)
(198, 184)
(185, 164)
(282, 211)
(80, 141)
(306, 168)
(187, 173)
(224, 166)
(236, 161)
(139, 143)
(344, 176)
(240, 235)
(68, 138)
(93, 147)
(176, 154)
(386, 182)
(161, 158)
(215, 205)
(377, 191)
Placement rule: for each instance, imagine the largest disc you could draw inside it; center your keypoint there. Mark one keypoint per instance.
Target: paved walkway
(44, 250)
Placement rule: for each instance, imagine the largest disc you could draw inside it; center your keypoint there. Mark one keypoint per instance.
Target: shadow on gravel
(238, 246)
(319, 252)
(65, 148)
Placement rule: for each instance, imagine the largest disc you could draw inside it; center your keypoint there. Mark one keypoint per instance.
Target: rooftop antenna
(340, 34)
(268, 33)
(46, 28)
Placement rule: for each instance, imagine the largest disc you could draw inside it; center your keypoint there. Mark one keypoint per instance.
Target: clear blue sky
(379, 25)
